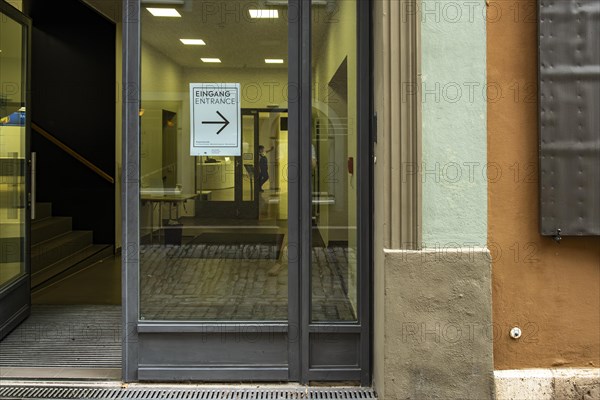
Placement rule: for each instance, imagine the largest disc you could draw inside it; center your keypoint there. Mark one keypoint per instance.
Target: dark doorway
(73, 100)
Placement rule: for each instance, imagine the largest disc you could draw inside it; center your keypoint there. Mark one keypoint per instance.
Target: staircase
(57, 250)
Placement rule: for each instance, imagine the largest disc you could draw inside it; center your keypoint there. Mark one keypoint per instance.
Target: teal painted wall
(454, 123)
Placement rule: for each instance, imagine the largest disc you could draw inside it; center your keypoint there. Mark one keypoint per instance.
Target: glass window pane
(12, 150)
(214, 225)
(334, 266)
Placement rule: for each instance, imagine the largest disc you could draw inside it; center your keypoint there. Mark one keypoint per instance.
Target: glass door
(255, 266)
(229, 186)
(210, 295)
(14, 168)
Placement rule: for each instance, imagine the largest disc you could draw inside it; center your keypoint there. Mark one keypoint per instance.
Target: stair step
(49, 228)
(48, 252)
(43, 210)
(66, 265)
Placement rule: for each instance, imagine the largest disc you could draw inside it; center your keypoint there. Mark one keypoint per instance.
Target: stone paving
(183, 288)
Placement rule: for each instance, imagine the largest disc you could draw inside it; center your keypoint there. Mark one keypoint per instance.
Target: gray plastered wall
(438, 325)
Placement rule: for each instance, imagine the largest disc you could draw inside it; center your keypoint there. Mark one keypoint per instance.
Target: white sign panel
(216, 119)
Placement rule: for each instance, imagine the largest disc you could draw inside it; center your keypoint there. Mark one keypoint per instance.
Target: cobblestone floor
(183, 288)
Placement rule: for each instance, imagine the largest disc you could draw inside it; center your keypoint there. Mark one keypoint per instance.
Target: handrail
(72, 153)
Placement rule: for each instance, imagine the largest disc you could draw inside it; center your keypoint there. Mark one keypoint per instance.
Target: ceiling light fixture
(193, 42)
(284, 3)
(163, 12)
(164, 2)
(211, 60)
(273, 61)
(263, 13)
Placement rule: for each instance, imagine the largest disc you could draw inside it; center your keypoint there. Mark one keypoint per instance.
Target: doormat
(65, 336)
(233, 246)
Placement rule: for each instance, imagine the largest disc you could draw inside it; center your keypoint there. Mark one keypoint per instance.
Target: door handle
(33, 185)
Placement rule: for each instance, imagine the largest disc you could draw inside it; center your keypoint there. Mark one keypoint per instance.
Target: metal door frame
(236, 208)
(249, 208)
(301, 333)
(16, 295)
(243, 209)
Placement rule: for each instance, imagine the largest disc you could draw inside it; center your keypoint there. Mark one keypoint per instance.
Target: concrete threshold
(548, 384)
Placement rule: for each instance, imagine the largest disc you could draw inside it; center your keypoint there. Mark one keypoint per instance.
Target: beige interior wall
(11, 68)
(339, 43)
(12, 139)
(269, 135)
(18, 4)
(162, 80)
(260, 87)
(283, 171)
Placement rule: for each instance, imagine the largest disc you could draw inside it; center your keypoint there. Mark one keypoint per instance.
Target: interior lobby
(217, 248)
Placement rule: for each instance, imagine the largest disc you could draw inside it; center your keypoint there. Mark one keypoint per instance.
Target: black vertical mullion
(364, 186)
(294, 129)
(130, 197)
(305, 181)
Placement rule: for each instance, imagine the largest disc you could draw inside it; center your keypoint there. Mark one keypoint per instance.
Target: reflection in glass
(334, 266)
(213, 244)
(250, 175)
(12, 150)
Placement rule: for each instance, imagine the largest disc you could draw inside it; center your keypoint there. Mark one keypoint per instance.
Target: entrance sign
(215, 119)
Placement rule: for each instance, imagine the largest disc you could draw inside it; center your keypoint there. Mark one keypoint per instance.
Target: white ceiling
(226, 27)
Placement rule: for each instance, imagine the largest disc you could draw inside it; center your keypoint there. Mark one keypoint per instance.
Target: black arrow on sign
(225, 122)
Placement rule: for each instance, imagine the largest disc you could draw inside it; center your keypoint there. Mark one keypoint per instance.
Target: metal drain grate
(148, 393)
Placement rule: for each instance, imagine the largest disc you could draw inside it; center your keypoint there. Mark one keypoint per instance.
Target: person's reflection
(263, 167)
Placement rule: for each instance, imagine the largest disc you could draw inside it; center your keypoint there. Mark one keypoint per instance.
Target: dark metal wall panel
(246, 347)
(334, 350)
(569, 88)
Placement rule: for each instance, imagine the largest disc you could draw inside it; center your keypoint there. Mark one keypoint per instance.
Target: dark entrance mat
(69, 336)
(237, 246)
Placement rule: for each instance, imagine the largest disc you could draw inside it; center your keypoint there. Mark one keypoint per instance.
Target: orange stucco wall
(550, 290)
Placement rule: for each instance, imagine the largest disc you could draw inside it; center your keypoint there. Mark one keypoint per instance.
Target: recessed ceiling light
(195, 42)
(264, 13)
(164, 12)
(211, 60)
(273, 61)
(284, 3)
